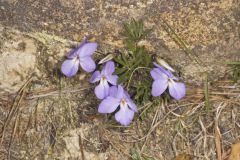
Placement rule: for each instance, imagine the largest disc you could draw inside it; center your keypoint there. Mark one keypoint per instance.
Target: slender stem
(130, 78)
(206, 93)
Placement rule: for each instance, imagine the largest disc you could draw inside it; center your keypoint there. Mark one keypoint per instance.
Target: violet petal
(95, 77)
(102, 90)
(132, 105)
(87, 49)
(113, 91)
(75, 52)
(167, 72)
(109, 68)
(108, 105)
(112, 79)
(87, 64)
(159, 86)
(156, 74)
(70, 67)
(120, 92)
(124, 115)
(177, 90)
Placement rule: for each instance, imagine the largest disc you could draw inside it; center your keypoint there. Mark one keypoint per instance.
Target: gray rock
(17, 61)
(210, 28)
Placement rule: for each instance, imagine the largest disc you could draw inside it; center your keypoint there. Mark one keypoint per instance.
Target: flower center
(104, 78)
(170, 80)
(76, 59)
(123, 102)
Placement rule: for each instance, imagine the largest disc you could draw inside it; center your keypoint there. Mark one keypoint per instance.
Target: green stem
(130, 78)
(206, 93)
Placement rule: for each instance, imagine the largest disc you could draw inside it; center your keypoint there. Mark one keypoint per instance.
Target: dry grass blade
(12, 136)
(14, 108)
(183, 156)
(81, 147)
(180, 42)
(153, 122)
(217, 134)
(56, 92)
(204, 130)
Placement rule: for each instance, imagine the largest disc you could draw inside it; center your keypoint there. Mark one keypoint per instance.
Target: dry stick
(147, 106)
(5, 152)
(153, 121)
(227, 94)
(52, 139)
(56, 93)
(12, 136)
(14, 107)
(178, 40)
(81, 147)
(37, 143)
(121, 152)
(153, 127)
(216, 93)
(204, 130)
(36, 117)
(217, 134)
(221, 93)
(52, 132)
(6, 122)
(28, 124)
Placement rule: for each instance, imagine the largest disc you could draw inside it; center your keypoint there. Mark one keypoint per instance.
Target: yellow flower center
(104, 78)
(123, 102)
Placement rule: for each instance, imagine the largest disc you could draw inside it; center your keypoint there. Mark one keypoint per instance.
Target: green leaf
(125, 76)
(134, 30)
(119, 61)
(119, 71)
(140, 51)
(125, 60)
(131, 46)
(136, 63)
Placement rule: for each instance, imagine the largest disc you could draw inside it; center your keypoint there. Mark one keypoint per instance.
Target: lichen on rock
(17, 60)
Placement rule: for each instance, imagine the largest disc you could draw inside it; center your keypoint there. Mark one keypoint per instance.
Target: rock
(17, 61)
(73, 150)
(210, 28)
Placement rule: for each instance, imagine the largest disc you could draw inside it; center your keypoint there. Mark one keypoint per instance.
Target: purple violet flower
(164, 79)
(119, 97)
(80, 56)
(105, 77)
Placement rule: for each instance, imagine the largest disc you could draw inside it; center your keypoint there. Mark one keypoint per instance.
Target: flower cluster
(114, 98)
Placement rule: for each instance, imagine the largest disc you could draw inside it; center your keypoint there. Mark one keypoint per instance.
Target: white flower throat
(170, 81)
(103, 80)
(76, 59)
(123, 102)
